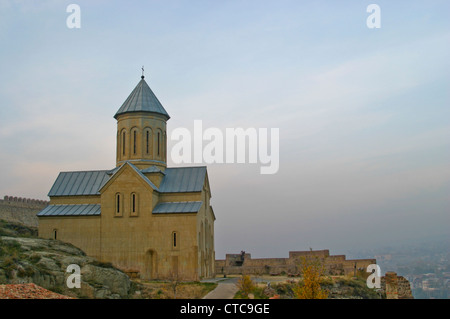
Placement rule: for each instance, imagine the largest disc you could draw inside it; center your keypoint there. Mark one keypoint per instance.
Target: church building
(145, 218)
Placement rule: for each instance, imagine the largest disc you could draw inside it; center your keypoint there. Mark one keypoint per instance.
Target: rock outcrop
(44, 262)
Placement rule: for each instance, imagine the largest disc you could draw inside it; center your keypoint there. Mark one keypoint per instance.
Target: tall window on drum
(134, 142)
(123, 142)
(147, 141)
(159, 143)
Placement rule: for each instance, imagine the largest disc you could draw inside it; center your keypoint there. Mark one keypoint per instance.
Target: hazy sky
(363, 113)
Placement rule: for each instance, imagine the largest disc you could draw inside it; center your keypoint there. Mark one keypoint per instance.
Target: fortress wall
(336, 258)
(404, 288)
(361, 264)
(309, 253)
(21, 210)
(262, 262)
(396, 287)
(237, 264)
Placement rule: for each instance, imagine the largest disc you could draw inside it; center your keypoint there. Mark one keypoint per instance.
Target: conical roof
(142, 99)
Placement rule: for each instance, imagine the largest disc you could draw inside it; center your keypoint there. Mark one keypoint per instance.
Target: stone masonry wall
(21, 210)
(236, 264)
(396, 287)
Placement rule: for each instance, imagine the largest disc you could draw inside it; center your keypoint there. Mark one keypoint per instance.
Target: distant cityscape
(426, 265)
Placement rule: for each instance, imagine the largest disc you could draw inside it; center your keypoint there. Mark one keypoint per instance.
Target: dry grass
(165, 290)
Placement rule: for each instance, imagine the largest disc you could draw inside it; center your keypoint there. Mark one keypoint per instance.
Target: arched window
(134, 141)
(123, 142)
(134, 204)
(164, 143)
(55, 234)
(118, 205)
(159, 143)
(147, 141)
(175, 240)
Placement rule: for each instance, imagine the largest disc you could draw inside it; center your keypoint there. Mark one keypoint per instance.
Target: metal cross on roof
(142, 76)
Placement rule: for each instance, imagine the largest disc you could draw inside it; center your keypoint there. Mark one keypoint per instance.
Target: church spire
(142, 99)
(141, 129)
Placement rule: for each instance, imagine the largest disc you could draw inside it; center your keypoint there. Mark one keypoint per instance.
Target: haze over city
(363, 114)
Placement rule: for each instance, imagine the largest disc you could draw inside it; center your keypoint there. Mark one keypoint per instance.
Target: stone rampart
(396, 287)
(237, 264)
(21, 210)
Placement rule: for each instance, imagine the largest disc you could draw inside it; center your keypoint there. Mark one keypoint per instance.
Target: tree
(245, 285)
(174, 282)
(309, 288)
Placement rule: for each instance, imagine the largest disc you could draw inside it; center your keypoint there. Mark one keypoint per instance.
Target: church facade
(145, 218)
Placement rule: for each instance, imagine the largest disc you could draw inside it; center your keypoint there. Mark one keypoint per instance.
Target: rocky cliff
(27, 259)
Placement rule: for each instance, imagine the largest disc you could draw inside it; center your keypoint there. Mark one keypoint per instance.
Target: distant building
(142, 216)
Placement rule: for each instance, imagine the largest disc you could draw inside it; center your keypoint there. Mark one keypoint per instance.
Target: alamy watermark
(374, 19)
(74, 279)
(235, 145)
(374, 279)
(74, 19)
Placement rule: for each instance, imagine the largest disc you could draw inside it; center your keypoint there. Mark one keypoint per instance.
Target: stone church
(147, 219)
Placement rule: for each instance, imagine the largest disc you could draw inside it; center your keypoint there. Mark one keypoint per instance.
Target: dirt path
(226, 289)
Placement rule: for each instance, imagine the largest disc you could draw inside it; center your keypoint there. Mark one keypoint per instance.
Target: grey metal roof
(142, 99)
(152, 169)
(183, 179)
(177, 207)
(145, 178)
(113, 171)
(176, 180)
(79, 183)
(71, 210)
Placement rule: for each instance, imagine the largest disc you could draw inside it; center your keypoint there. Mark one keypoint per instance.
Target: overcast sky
(363, 113)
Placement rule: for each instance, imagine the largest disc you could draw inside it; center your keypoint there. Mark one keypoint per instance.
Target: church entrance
(150, 270)
(174, 272)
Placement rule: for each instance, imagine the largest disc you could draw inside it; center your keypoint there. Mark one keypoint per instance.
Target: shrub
(309, 287)
(245, 285)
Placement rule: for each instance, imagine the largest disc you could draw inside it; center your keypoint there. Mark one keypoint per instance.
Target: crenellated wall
(237, 264)
(21, 210)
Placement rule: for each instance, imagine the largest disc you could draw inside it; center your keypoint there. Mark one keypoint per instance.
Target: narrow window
(134, 204)
(55, 234)
(147, 139)
(174, 240)
(123, 143)
(164, 143)
(134, 142)
(159, 138)
(118, 204)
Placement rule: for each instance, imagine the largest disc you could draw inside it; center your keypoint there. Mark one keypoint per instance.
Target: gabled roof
(79, 183)
(175, 180)
(142, 99)
(183, 179)
(177, 207)
(134, 168)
